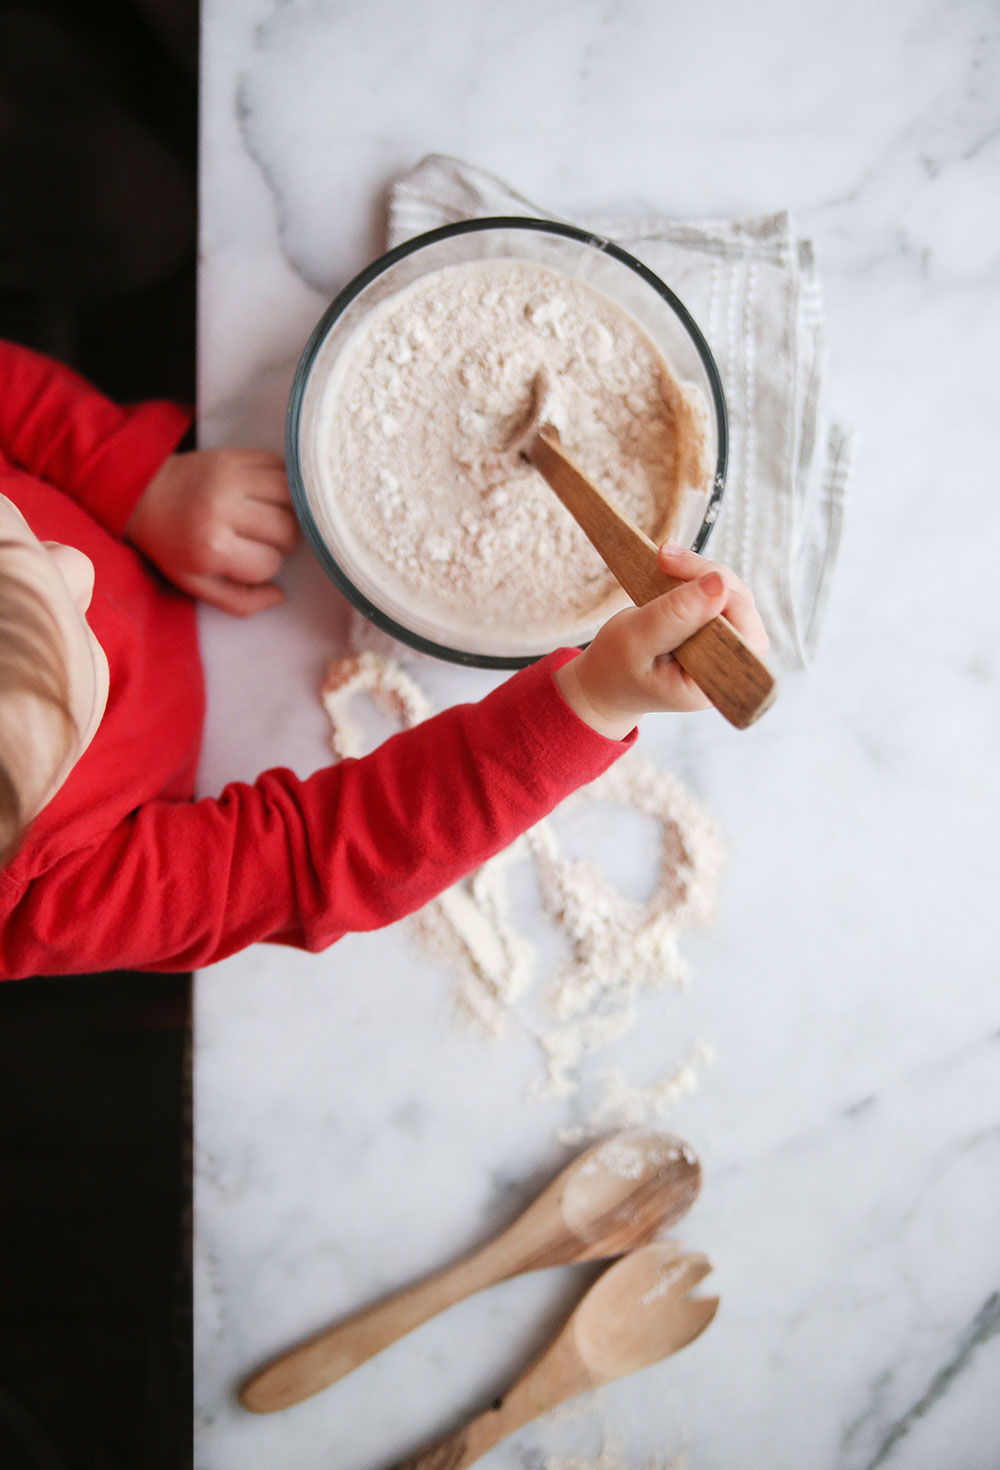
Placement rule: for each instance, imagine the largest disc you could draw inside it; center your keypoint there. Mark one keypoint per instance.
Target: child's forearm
(354, 847)
(60, 428)
(611, 725)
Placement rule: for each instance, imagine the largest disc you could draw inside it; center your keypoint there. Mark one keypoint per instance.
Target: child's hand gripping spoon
(614, 1196)
(636, 1313)
(723, 666)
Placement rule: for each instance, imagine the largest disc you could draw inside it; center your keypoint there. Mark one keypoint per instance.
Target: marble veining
(348, 1136)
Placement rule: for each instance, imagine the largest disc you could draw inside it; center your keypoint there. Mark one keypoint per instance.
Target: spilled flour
(624, 1106)
(616, 948)
(592, 1408)
(609, 1457)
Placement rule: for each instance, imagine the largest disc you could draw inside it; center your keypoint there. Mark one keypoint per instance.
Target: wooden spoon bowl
(639, 1310)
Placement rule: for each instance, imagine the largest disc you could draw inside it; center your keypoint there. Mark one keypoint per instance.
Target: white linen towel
(751, 286)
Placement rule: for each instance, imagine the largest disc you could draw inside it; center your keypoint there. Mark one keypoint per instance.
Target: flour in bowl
(421, 467)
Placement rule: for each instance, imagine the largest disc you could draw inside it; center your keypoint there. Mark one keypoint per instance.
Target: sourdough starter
(418, 429)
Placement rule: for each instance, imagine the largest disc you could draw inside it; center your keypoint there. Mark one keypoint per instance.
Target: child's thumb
(672, 619)
(241, 599)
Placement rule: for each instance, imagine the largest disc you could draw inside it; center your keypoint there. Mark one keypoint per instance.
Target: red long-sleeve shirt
(123, 869)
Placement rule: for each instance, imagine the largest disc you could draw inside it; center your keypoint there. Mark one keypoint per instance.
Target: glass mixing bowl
(573, 252)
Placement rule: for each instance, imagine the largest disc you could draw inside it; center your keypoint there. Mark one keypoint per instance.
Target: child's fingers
(741, 611)
(269, 484)
(249, 560)
(740, 608)
(236, 597)
(689, 565)
(680, 562)
(255, 460)
(273, 524)
(668, 621)
(244, 601)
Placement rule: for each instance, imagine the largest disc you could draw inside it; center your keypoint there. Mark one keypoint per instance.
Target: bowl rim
(353, 289)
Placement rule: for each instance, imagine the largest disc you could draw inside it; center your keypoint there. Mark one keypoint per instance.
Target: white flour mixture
(419, 467)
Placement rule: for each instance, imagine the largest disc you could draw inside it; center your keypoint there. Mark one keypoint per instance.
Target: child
(106, 536)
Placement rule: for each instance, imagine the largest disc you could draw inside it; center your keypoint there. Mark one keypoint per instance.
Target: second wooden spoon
(616, 1195)
(638, 1312)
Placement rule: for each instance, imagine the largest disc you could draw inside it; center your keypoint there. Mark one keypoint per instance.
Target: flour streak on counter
(619, 947)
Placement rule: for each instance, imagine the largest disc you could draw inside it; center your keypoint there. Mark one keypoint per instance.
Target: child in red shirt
(106, 536)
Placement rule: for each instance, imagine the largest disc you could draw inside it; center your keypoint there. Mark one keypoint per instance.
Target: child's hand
(219, 523)
(627, 670)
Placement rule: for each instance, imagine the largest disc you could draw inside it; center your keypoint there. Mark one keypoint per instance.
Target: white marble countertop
(348, 1135)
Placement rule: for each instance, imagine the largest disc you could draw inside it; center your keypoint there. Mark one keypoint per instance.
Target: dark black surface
(95, 1328)
(98, 129)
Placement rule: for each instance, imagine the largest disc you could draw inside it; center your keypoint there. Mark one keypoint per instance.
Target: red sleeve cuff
(560, 725)
(111, 481)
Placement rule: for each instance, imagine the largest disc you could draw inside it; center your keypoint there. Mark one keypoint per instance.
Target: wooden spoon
(723, 666)
(636, 1313)
(614, 1196)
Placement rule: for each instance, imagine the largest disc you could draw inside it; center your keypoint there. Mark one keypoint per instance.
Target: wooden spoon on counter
(616, 1195)
(636, 1313)
(720, 662)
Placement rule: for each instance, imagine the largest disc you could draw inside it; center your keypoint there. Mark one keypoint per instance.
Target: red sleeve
(59, 428)
(354, 847)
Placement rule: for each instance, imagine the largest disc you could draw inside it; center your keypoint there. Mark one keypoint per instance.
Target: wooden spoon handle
(463, 1447)
(723, 666)
(337, 1351)
(556, 1375)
